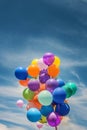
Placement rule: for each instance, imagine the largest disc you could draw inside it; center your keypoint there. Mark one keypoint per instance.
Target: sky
(29, 29)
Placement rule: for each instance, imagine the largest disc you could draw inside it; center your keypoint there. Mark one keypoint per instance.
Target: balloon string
(56, 128)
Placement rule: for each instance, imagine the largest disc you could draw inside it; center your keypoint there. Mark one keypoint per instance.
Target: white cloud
(4, 127)
(72, 63)
(71, 126)
(20, 118)
(16, 91)
(9, 91)
(76, 75)
(24, 58)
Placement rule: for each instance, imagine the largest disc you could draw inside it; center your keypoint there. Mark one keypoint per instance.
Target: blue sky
(28, 29)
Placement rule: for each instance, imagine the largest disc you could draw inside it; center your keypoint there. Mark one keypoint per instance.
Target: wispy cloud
(35, 28)
(57, 47)
(76, 75)
(4, 127)
(20, 118)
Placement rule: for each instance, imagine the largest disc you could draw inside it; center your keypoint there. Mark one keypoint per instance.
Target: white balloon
(41, 64)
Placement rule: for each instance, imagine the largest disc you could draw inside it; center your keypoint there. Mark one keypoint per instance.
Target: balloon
(34, 62)
(41, 64)
(39, 125)
(48, 58)
(60, 82)
(62, 109)
(46, 110)
(43, 119)
(43, 76)
(59, 95)
(21, 73)
(53, 71)
(30, 105)
(34, 84)
(45, 97)
(36, 102)
(53, 119)
(56, 61)
(33, 115)
(42, 87)
(20, 103)
(73, 87)
(46, 94)
(66, 101)
(24, 82)
(51, 84)
(70, 89)
(33, 70)
(28, 94)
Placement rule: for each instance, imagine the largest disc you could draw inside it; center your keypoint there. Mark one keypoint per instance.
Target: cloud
(71, 122)
(24, 57)
(15, 91)
(71, 126)
(76, 75)
(4, 127)
(68, 63)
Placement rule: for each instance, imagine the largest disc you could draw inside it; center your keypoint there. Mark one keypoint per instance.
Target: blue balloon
(21, 73)
(62, 109)
(60, 82)
(46, 110)
(59, 95)
(33, 115)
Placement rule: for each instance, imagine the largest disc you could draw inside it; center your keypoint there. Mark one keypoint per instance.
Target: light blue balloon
(33, 115)
(45, 97)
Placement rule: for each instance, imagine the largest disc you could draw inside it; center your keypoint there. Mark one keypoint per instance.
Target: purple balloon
(51, 84)
(34, 84)
(48, 58)
(43, 71)
(53, 119)
(43, 76)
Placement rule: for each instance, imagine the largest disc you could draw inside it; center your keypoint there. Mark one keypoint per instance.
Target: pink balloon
(30, 105)
(39, 125)
(20, 103)
(41, 64)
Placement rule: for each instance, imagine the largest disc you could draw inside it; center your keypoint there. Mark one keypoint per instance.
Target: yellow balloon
(43, 119)
(57, 61)
(34, 62)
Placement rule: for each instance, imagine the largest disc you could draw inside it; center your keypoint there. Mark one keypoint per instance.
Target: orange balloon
(36, 92)
(53, 71)
(42, 87)
(36, 102)
(33, 70)
(24, 82)
(61, 117)
(29, 105)
(66, 101)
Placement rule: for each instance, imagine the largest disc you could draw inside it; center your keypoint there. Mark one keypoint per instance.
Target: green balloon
(28, 94)
(45, 98)
(70, 89)
(73, 87)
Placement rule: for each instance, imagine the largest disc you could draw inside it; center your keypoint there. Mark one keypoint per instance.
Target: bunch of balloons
(45, 93)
